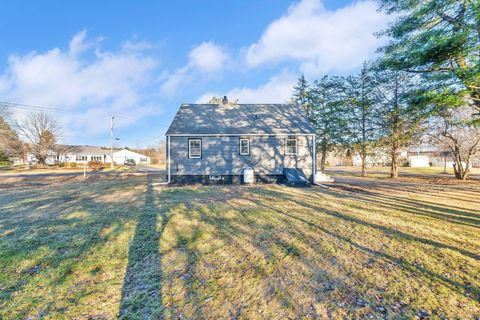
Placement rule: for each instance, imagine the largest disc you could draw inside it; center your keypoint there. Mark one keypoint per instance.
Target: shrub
(63, 164)
(73, 164)
(5, 163)
(96, 165)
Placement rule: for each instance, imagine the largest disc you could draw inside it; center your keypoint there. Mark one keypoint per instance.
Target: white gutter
(237, 134)
(168, 164)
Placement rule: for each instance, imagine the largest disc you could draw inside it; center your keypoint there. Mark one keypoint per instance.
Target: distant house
(121, 155)
(85, 154)
(217, 142)
(435, 156)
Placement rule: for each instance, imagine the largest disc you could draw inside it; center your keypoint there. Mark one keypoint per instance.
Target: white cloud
(78, 44)
(278, 89)
(90, 89)
(206, 60)
(208, 57)
(319, 39)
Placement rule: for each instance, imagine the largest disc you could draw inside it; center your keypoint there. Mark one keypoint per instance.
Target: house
(432, 155)
(85, 154)
(217, 142)
(121, 155)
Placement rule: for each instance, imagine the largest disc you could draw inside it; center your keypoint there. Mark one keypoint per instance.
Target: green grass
(26, 170)
(118, 247)
(384, 172)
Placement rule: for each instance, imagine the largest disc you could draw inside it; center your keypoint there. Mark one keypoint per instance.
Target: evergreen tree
(440, 38)
(301, 95)
(400, 112)
(327, 105)
(362, 125)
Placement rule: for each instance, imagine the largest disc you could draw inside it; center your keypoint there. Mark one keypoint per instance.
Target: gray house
(213, 143)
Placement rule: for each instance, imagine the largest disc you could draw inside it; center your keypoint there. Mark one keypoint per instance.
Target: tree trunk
(324, 155)
(461, 171)
(363, 156)
(394, 165)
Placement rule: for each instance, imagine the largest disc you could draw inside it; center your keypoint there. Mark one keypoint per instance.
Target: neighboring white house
(122, 155)
(84, 154)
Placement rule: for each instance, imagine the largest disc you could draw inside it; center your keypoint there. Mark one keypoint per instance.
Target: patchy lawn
(33, 170)
(120, 247)
(403, 172)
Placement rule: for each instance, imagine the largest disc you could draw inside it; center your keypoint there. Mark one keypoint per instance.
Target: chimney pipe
(225, 100)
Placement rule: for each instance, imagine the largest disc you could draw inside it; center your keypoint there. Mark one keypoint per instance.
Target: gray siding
(220, 156)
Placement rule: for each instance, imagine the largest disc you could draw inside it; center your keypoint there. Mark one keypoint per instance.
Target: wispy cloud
(85, 80)
(206, 60)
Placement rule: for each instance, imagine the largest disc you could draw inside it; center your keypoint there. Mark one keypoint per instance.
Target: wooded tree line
(426, 83)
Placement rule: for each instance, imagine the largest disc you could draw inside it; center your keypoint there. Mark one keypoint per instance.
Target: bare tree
(455, 130)
(41, 131)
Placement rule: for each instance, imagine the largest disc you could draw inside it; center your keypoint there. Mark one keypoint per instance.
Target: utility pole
(111, 141)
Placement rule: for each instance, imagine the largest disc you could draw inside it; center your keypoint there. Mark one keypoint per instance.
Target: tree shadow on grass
(142, 285)
(456, 286)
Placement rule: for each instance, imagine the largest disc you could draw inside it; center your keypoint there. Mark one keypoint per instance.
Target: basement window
(194, 148)
(291, 146)
(244, 147)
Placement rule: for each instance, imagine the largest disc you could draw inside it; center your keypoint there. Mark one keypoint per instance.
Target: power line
(44, 108)
(35, 107)
(27, 106)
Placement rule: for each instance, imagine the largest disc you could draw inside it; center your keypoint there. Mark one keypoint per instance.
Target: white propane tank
(248, 175)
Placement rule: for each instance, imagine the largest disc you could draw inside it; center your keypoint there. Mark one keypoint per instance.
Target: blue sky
(141, 60)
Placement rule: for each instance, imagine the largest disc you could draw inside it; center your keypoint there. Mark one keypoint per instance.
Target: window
(244, 147)
(194, 148)
(80, 158)
(97, 158)
(291, 146)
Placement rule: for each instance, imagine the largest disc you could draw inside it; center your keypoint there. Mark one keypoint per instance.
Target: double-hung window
(81, 158)
(291, 146)
(244, 147)
(194, 148)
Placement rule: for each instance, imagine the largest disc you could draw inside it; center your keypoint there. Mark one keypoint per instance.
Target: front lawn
(122, 247)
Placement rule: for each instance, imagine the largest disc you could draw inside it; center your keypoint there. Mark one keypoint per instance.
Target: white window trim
(240, 146)
(190, 156)
(286, 147)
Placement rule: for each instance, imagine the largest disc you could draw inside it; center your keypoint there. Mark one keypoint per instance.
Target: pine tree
(301, 95)
(440, 38)
(328, 114)
(362, 125)
(400, 112)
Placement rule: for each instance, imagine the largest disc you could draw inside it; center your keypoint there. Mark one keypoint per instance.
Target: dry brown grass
(120, 247)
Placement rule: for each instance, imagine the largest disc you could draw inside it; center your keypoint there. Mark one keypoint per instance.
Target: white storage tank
(248, 175)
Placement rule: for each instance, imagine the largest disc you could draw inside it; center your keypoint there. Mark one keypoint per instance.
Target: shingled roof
(240, 119)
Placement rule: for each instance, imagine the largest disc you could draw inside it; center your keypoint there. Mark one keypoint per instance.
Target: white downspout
(168, 164)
